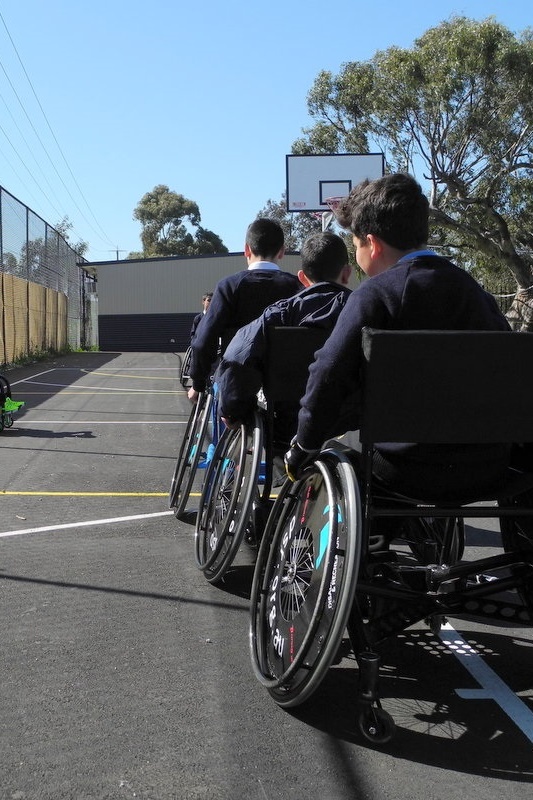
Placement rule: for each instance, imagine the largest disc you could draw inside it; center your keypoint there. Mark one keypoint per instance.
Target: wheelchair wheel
(7, 419)
(429, 539)
(185, 368)
(189, 454)
(227, 497)
(304, 580)
(517, 536)
(375, 724)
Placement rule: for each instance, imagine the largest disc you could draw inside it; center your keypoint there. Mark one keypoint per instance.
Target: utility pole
(117, 251)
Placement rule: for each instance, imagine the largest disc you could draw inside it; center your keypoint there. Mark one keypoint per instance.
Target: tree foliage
(64, 227)
(296, 226)
(455, 110)
(171, 226)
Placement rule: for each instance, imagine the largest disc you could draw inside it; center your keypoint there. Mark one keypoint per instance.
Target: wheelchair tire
(417, 531)
(189, 453)
(517, 537)
(227, 498)
(185, 368)
(305, 578)
(375, 724)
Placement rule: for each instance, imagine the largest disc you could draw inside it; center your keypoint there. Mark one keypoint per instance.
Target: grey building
(149, 304)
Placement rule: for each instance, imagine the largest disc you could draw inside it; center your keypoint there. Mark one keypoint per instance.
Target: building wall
(148, 305)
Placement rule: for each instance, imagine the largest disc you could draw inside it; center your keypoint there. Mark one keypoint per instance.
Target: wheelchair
(203, 431)
(235, 499)
(196, 450)
(8, 406)
(319, 571)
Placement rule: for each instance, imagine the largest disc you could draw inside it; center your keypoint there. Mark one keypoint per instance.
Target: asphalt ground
(124, 674)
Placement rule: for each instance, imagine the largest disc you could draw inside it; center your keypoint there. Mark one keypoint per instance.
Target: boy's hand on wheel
(192, 394)
(296, 460)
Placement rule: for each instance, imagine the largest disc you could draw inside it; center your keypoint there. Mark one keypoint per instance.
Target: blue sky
(101, 101)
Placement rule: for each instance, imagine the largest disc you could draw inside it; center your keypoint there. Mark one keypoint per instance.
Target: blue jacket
(237, 300)
(240, 374)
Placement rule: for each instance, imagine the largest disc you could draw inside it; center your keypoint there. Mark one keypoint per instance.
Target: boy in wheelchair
(241, 297)
(420, 353)
(410, 288)
(325, 274)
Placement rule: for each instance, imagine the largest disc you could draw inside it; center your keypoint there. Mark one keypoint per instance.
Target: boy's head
(265, 239)
(392, 208)
(325, 258)
(206, 299)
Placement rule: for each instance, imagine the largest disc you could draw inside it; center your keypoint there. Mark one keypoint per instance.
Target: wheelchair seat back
(290, 351)
(447, 387)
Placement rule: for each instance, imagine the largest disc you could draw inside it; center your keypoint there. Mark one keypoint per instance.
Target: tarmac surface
(126, 675)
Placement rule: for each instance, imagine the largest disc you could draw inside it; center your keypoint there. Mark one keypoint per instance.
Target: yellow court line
(98, 494)
(109, 391)
(87, 494)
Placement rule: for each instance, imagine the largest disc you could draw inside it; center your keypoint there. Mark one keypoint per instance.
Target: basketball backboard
(312, 180)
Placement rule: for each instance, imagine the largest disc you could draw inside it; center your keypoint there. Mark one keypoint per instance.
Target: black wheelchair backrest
(290, 351)
(447, 386)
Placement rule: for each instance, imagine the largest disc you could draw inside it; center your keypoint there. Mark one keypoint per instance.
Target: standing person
(325, 274)
(206, 300)
(240, 298)
(409, 288)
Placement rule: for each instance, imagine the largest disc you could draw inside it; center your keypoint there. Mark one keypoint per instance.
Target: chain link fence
(47, 298)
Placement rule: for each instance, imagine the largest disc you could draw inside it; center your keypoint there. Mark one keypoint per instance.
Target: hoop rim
(333, 202)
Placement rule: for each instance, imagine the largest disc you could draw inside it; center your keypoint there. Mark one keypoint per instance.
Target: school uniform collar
(416, 254)
(263, 265)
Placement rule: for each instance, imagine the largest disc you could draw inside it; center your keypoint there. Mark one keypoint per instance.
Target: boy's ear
(302, 277)
(376, 245)
(247, 251)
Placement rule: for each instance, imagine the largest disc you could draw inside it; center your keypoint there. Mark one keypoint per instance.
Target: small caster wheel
(8, 420)
(376, 725)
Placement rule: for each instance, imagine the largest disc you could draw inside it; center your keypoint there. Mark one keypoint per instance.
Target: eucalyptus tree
(455, 110)
(171, 226)
(296, 225)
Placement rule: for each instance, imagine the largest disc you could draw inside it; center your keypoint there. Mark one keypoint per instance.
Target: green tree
(456, 111)
(296, 226)
(64, 228)
(164, 216)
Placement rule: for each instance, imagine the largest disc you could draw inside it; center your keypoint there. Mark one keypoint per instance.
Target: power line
(106, 237)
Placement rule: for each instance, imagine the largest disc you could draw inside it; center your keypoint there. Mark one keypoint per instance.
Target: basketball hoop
(328, 216)
(333, 203)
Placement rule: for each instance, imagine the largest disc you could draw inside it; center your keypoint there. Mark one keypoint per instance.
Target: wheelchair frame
(418, 386)
(236, 492)
(185, 378)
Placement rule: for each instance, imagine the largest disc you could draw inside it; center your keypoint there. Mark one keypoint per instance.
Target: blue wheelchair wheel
(227, 498)
(190, 453)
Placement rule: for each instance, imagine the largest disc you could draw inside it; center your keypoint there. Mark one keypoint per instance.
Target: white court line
(491, 685)
(38, 375)
(67, 525)
(84, 387)
(20, 422)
